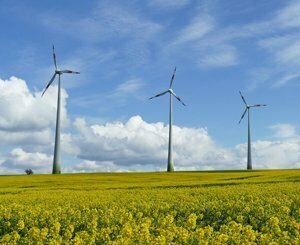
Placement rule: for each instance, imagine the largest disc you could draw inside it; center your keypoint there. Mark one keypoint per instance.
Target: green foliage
(152, 208)
(28, 171)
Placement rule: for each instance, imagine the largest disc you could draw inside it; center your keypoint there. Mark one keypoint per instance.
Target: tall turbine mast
(247, 109)
(170, 165)
(56, 158)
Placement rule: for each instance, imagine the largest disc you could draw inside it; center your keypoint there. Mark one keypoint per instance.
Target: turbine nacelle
(170, 90)
(60, 72)
(248, 106)
(57, 71)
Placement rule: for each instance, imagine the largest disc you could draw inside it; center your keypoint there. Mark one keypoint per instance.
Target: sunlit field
(229, 207)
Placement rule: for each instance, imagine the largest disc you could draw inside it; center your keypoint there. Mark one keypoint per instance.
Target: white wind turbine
(56, 158)
(249, 158)
(170, 167)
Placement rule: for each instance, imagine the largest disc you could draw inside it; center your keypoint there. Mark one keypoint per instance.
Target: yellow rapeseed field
(229, 207)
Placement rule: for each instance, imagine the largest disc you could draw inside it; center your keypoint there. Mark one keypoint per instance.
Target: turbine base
(170, 167)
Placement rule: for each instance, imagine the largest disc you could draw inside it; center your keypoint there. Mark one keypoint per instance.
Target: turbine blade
(243, 98)
(159, 94)
(49, 83)
(54, 57)
(69, 71)
(243, 115)
(173, 76)
(258, 105)
(177, 97)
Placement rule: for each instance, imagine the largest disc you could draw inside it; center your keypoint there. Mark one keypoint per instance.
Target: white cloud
(94, 166)
(281, 40)
(284, 19)
(220, 57)
(19, 160)
(284, 50)
(290, 54)
(119, 25)
(289, 15)
(209, 39)
(272, 154)
(273, 42)
(285, 79)
(138, 142)
(258, 77)
(27, 121)
(134, 145)
(123, 20)
(26, 118)
(106, 20)
(21, 110)
(38, 139)
(129, 88)
(283, 130)
(140, 146)
(67, 145)
(195, 30)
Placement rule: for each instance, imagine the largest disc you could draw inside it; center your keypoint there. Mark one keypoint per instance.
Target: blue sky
(126, 52)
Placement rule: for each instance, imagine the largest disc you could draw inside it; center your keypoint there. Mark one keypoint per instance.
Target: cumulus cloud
(26, 123)
(134, 145)
(29, 139)
(272, 154)
(138, 142)
(22, 110)
(67, 145)
(18, 160)
(94, 166)
(26, 118)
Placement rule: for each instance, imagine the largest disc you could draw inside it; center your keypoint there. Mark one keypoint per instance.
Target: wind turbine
(56, 159)
(170, 167)
(249, 159)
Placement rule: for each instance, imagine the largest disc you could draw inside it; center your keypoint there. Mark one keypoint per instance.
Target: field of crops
(152, 208)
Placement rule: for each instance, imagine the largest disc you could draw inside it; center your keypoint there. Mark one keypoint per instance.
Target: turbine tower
(56, 158)
(249, 159)
(170, 167)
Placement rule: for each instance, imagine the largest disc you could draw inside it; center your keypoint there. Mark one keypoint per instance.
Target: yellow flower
(192, 221)
(199, 234)
(240, 218)
(20, 225)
